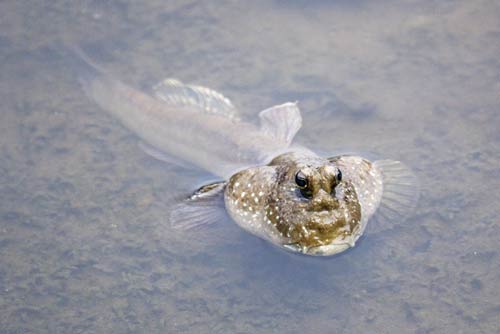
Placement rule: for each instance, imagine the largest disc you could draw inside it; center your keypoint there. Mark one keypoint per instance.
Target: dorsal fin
(282, 121)
(175, 93)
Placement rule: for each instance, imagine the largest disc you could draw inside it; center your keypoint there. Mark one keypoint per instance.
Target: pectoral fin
(165, 157)
(281, 122)
(204, 207)
(400, 195)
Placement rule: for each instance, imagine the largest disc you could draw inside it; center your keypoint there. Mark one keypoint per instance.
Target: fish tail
(110, 94)
(89, 74)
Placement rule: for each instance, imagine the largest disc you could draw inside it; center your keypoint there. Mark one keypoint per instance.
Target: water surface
(85, 245)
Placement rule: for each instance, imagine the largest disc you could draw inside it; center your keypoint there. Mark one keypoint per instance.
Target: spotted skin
(324, 219)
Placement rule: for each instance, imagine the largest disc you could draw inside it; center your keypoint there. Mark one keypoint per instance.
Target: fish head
(301, 203)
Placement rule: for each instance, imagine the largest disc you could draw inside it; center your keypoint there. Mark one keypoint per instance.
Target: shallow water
(84, 240)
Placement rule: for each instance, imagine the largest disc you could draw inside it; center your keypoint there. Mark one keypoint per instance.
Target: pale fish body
(195, 124)
(281, 193)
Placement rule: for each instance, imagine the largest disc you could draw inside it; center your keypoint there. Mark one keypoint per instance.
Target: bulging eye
(336, 180)
(303, 184)
(301, 180)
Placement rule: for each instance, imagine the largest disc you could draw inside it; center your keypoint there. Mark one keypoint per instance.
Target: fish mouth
(321, 233)
(335, 247)
(340, 243)
(328, 250)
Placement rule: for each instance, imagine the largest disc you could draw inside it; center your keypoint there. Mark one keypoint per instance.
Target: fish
(271, 186)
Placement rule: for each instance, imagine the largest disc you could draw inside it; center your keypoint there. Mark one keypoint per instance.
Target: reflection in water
(85, 243)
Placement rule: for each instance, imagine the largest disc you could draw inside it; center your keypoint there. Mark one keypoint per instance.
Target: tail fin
(86, 70)
(110, 94)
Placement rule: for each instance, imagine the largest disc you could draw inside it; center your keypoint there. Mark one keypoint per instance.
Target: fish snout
(322, 201)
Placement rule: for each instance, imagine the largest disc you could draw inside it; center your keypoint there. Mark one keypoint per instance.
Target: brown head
(302, 202)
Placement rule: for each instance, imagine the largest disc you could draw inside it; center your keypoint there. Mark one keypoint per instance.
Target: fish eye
(301, 180)
(336, 181)
(338, 177)
(303, 184)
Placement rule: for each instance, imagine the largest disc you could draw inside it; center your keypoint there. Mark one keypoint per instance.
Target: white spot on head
(305, 230)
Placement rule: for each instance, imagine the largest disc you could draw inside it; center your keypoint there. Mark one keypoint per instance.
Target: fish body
(198, 133)
(271, 187)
